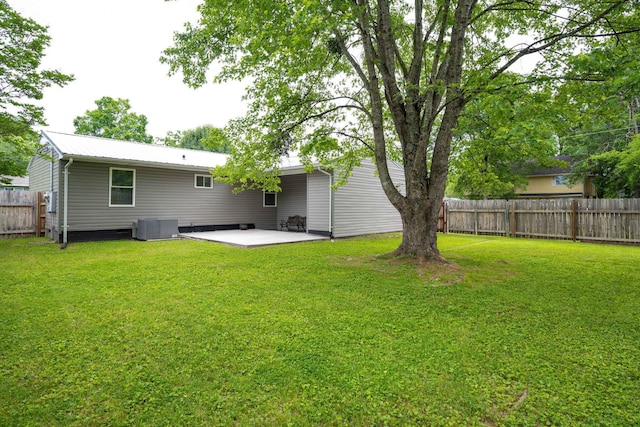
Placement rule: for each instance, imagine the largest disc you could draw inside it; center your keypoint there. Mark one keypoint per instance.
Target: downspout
(66, 204)
(330, 199)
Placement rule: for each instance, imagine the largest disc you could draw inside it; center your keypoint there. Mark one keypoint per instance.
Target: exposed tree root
(436, 271)
(420, 258)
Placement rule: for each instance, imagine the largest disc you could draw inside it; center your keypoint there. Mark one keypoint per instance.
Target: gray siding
(44, 176)
(318, 202)
(361, 206)
(292, 200)
(39, 174)
(159, 193)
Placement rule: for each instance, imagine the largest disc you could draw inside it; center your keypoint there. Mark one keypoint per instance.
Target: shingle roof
(16, 181)
(82, 147)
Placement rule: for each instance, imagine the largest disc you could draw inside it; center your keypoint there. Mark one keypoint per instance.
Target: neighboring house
(113, 184)
(547, 183)
(17, 183)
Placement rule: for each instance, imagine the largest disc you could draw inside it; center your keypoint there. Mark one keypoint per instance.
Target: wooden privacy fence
(606, 220)
(21, 214)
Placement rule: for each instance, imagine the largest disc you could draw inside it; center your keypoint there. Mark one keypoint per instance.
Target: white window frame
(133, 188)
(559, 181)
(195, 181)
(275, 199)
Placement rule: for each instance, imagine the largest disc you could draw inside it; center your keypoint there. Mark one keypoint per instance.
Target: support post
(37, 215)
(512, 218)
(445, 215)
(475, 219)
(574, 219)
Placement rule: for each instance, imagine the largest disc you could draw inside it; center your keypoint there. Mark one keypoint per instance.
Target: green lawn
(518, 332)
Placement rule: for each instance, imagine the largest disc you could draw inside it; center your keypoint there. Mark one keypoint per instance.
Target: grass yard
(519, 332)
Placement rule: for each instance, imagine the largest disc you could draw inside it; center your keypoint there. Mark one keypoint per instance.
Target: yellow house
(553, 182)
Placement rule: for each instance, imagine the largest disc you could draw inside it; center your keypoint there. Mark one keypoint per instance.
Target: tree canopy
(22, 47)
(204, 138)
(112, 119)
(591, 114)
(601, 114)
(338, 80)
(501, 136)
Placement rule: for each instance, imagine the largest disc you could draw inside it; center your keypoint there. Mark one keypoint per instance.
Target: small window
(270, 200)
(122, 187)
(203, 181)
(559, 180)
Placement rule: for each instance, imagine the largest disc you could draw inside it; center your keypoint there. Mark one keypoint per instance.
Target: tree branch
(357, 138)
(377, 110)
(356, 66)
(547, 42)
(418, 47)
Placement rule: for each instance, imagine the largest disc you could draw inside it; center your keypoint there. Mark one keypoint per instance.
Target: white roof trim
(89, 148)
(51, 144)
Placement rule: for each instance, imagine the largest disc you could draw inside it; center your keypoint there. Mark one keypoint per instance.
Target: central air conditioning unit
(153, 228)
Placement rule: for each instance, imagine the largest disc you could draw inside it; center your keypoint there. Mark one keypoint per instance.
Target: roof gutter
(140, 163)
(65, 224)
(330, 198)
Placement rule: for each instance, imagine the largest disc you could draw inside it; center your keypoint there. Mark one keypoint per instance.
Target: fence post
(445, 214)
(36, 215)
(506, 218)
(574, 219)
(475, 218)
(512, 217)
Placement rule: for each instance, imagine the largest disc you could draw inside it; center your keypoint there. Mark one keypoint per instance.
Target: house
(100, 188)
(553, 182)
(16, 183)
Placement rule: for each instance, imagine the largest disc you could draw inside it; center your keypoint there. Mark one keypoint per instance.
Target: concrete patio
(252, 238)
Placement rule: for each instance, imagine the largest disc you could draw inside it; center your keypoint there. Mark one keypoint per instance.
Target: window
(122, 191)
(203, 181)
(559, 180)
(270, 200)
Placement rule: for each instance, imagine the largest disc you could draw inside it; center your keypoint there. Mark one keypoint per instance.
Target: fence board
(613, 220)
(18, 212)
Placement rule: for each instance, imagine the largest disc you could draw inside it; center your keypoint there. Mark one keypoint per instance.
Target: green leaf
(22, 47)
(112, 119)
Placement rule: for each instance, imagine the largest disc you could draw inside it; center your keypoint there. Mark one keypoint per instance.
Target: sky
(112, 47)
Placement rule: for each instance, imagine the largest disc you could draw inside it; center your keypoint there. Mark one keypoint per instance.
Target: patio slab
(252, 238)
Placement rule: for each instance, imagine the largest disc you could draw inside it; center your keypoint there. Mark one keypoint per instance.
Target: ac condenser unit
(153, 228)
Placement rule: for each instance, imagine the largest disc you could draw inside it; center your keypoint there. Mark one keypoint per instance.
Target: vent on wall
(153, 228)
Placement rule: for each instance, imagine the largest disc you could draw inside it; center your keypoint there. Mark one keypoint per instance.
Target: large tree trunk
(415, 116)
(419, 230)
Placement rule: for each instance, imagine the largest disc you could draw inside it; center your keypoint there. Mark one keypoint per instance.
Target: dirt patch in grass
(434, 273)
(439, 274)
